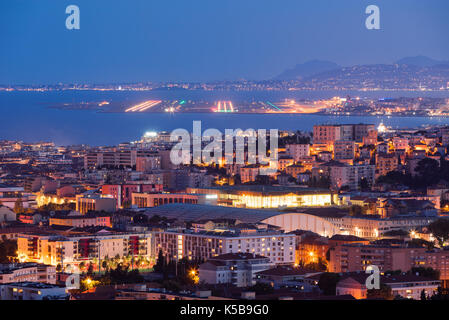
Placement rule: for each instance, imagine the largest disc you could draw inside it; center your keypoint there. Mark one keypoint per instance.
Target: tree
(262, 179)
(321, 265)
(160, 264)
(262, 288)
(140, 218)
(426, 272)
(8, 249)
(121, 275)
(364, 185)
(90, 269)
(428, 170)
(237, 179)
(384, 293)
(423, 295)
(440, 230)
(322, 182)
(355, 210)
(328, 283)
(441, 294)
(18, 206)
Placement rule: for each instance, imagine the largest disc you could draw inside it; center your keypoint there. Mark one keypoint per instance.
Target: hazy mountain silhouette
(307, 69)
(421, 61)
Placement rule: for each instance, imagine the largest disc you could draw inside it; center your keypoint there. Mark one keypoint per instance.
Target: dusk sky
(202, 40)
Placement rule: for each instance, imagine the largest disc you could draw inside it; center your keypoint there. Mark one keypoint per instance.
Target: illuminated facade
(86, 203)
(279, 247)
(257, 197)
(22, 272)
(74, 249)
(45, 199)
(148, 200)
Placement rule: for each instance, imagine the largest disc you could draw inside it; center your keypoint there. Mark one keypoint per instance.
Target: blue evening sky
(202, 40)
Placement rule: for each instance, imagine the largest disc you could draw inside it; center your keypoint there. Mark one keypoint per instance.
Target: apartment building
(23, 272)
(294, 170)
(344, 150)
(148, 163)
(72, 249)
(277, 246)
(326, 134)
(330, 133)
(120, 158)
(122, 192)
(345, 175)
(297, 151)
(400, 143)
(284, 162)
(356, 257)
(95, 202)
(249, 173)
(9, 194)
(386, 163)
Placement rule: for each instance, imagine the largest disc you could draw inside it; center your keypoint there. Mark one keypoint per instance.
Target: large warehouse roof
(196, 212)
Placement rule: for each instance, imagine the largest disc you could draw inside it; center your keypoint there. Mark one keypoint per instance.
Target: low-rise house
(6, 214)
(81, 221)
(408, 286)
(289, 277)
(238, 269)
(32, 291)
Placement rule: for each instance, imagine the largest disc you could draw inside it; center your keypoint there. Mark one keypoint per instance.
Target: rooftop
(198, 212)
(287, 271)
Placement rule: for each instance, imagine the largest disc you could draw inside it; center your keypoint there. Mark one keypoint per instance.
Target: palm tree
(95, 262)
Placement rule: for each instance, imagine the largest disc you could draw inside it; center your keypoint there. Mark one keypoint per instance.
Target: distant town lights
(150, 134)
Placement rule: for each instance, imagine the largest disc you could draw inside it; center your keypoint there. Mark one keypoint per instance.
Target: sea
(32, 116)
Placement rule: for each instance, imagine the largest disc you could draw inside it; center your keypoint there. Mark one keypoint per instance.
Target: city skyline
(173, 151)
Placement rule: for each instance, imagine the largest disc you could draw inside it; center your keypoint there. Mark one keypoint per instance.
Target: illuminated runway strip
(152, 104)
(225, 106)
(273, 105)
(134, 108)
(138, 107)
(143, 106)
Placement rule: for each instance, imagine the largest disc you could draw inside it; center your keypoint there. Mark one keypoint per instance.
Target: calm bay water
(26, 115)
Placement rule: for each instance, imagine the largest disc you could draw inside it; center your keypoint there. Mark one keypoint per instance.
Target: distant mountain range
(408, 73)
(315, 67)
(421, 61)
(307, 69)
